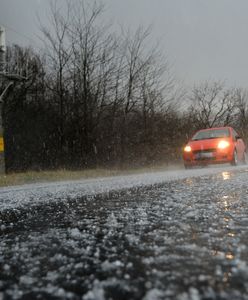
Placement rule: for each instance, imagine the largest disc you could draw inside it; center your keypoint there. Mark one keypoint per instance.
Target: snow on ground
(35, 194)
(182, 240)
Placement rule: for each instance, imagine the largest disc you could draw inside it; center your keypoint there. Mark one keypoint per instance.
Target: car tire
(235, 158)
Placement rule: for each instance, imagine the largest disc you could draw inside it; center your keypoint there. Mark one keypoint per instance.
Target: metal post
(2, 70)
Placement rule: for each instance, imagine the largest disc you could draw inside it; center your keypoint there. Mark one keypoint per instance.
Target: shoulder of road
(42, 193)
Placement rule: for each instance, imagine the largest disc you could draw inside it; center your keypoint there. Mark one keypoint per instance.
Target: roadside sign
(1, 144)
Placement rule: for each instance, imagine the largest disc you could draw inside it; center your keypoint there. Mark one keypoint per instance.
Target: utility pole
(2, 70)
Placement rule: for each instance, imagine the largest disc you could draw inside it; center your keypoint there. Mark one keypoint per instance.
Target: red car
(213, 146)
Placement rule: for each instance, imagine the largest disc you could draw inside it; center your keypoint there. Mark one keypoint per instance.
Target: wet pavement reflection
(180, 240)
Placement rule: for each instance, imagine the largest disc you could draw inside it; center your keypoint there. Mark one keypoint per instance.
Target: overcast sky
(204, 39)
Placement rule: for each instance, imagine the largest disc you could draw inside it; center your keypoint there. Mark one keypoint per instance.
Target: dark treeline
(95, 98)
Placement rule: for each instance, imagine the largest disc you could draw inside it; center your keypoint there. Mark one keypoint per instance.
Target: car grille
(204, 151)
(206, 154)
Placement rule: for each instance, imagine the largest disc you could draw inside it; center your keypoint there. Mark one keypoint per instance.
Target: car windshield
(211, 134)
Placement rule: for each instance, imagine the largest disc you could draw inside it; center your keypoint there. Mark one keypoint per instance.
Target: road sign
(1, 144)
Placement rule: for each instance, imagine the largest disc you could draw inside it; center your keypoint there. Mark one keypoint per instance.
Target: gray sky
(204, 39)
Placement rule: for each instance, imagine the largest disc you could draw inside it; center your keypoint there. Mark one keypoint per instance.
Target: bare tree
(110, 91)
(58, 54)
(92, 68)
(213, 104)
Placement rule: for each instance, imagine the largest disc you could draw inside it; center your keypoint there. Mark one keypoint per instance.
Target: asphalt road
(185, 239)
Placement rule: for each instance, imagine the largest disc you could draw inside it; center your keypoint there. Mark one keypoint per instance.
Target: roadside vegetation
(96, 97)
(29, 177)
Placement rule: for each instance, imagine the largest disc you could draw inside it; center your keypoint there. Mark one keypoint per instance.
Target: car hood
(206, 144)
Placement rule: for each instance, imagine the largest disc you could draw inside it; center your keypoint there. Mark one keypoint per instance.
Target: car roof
(214, 128)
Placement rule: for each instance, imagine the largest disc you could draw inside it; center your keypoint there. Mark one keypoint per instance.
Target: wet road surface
(185, 239)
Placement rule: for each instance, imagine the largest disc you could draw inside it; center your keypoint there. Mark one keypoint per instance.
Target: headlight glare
(223, 145)
(187, 148)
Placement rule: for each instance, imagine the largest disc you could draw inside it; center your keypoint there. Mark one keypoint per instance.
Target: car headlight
(187, 149)
(223, 145)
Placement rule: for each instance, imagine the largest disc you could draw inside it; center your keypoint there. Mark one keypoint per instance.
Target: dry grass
(59, 175)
